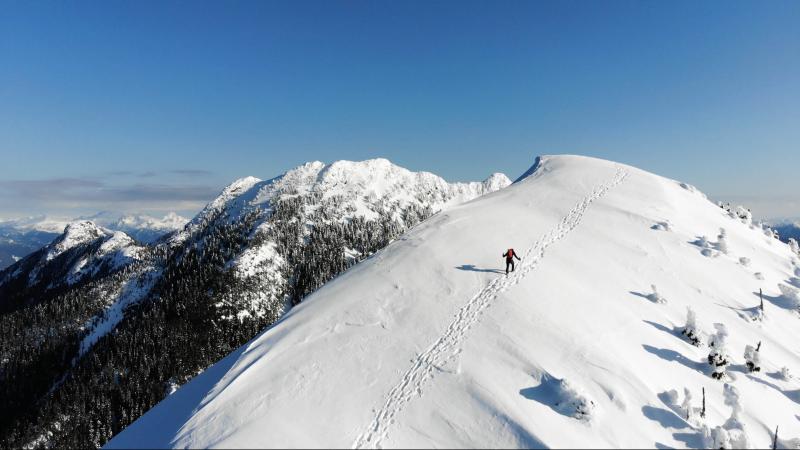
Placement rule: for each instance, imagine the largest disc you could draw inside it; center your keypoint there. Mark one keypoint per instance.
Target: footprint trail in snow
(447, 346)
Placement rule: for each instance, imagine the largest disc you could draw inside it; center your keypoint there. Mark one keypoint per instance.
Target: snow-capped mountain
(21, 237)
(97, 327)
(148, 229)
(82, 250)
(633, 320)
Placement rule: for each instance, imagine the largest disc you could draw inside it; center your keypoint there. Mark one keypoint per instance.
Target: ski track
(446, 347)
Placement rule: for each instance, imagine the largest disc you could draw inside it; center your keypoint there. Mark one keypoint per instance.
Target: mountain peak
(76, 233)
(240, 185)
(496, 181)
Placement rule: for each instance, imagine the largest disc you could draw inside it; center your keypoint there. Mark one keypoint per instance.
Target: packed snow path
(447, 346)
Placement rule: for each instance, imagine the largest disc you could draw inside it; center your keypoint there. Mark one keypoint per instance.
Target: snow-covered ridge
(114, 249)
(75, 234)
(360, 185)
(584, 345)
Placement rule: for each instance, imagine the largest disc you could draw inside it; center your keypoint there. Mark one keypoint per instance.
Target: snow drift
(428, 344)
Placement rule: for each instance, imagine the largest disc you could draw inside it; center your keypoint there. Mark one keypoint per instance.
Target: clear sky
(153, 106)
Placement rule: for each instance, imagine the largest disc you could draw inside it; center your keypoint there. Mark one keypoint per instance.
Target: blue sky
(154, 106)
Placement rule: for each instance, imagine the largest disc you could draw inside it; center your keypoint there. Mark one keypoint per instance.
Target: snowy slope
(427, 344)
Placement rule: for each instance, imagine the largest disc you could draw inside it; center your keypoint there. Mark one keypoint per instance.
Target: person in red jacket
(510, 255)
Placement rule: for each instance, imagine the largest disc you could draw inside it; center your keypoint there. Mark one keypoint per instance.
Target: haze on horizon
(154, 107)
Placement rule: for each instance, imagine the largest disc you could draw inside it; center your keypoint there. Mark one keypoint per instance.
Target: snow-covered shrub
(792, 443)
(722, 241)
(759, 276)
(786, 374)
(769, 232)
(732, 399)
(756, 314)
(716, 438)
(744, 215)
(663, 226)
(655, 297)
(792, 294)
(752, 357)
(794, 246)
(744, 261)
(691, 331)
(571, 402)
(734, 426)
(671, 397)
(686, 406)
(718, 356)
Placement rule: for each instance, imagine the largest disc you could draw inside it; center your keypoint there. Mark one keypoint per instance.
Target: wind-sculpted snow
(429, 363)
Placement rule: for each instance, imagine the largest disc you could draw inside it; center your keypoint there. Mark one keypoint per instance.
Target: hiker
(510, 255)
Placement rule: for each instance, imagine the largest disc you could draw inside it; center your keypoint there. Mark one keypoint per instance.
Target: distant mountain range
(20, 237)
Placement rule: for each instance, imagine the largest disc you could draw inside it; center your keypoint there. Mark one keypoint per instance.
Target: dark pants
(509, 262)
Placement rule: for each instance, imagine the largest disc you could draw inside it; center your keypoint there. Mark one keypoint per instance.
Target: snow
(249, 262)
(359, 185)
(428, 344)
(171, 221)
(116, 251)
(148, 229)
(75, 234)
(126, 294)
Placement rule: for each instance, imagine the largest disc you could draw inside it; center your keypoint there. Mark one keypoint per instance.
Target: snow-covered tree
(572, 402)
(752, 357)
(722, 241)
(734, 426)
(655, 297)
(744, 215)
(716, 438)
(794, 246)
(718, 356)
(786, 374)
(686, 406)
(691, 330)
